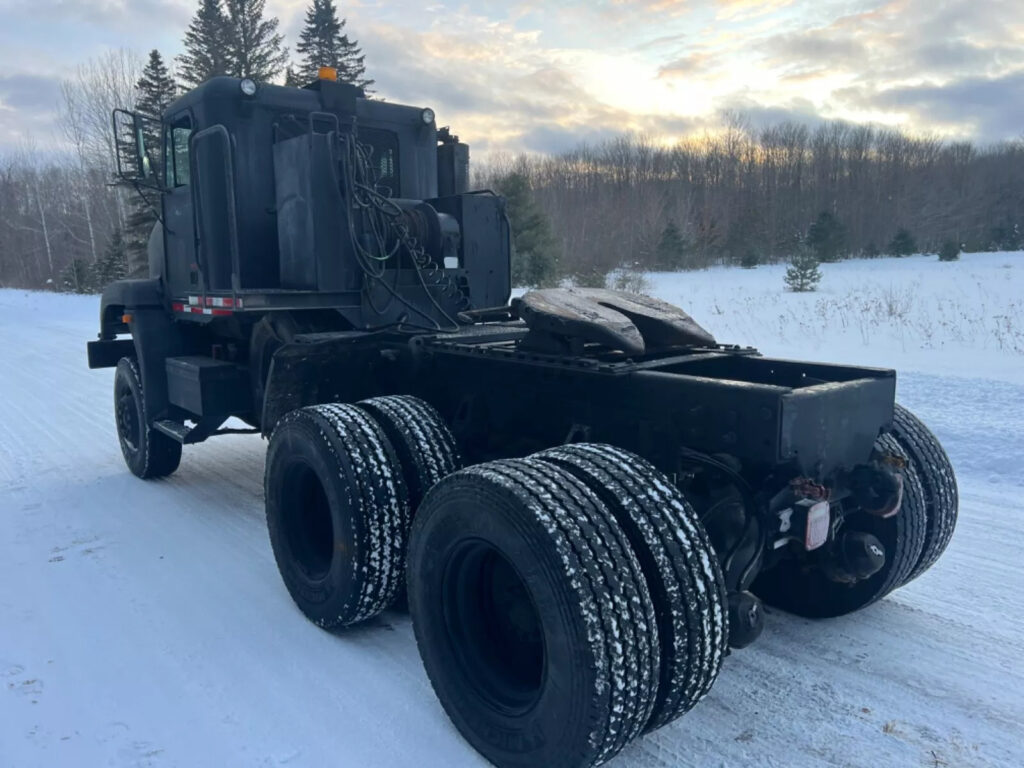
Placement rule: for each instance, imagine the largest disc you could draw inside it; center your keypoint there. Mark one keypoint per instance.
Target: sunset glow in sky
(544, 76)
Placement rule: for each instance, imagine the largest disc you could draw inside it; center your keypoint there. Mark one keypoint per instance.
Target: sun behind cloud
(544, 76)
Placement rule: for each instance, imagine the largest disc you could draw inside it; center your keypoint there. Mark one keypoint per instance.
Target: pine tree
(1005, 237)
(902, 244)
(113, 264)
(154, 92)
(254, 46)
(534, 248)
(590, 276)
(827, 236)
(206, 48)
(803, 274)
(291, 78)
(156, 88)
(631, 279)
(322, 43)
(950, 251)
(670, 253)
(139, 223)
(77, 277)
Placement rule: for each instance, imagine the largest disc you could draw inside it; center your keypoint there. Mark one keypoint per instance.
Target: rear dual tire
(557, 619)
(337, 513)
(341, 485)
(938, 482)
(562, 604)
(678, 563)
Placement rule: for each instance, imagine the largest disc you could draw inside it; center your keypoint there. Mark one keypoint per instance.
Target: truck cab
(266, 192)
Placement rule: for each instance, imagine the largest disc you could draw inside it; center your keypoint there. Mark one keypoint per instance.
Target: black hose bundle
(380, 236)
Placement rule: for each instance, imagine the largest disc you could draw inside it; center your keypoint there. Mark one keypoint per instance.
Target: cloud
(759, 116)
(28, 106)
(37, 92)
(748, 9)
(554, 139)
(816, 46)
(686, 66)
(109, 14)
(658, 7)
(539, 76)
(989, 108)
(917, 63)
(962, 56)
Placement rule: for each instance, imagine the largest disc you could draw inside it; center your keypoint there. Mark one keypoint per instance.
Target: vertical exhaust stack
(452, 165)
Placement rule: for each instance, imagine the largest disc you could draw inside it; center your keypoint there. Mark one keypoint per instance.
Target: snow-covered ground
(144, 623)
(912, 314)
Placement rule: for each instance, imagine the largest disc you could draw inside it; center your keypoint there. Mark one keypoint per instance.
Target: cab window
(176, 152)
(384, 147)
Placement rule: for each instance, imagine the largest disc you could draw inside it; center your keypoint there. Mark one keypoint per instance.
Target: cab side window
(384, 154)
(176, 152)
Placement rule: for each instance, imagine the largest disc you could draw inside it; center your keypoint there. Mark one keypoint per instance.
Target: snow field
(145, 624)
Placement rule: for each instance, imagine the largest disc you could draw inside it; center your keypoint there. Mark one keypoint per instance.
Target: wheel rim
(128, 421)
(308, 526)
(493, 628)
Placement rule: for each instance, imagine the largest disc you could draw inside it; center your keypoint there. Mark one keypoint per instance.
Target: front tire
(532, 616)
(149, 454)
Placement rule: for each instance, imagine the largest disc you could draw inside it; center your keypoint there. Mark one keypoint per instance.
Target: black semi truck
(584, 498)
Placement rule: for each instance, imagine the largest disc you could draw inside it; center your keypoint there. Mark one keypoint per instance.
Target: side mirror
(136, 147)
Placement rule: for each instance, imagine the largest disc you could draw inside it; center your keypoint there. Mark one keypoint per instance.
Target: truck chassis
(582, 498)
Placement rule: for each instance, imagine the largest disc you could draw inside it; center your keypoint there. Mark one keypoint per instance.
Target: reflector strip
(196, 310)
(214, 301)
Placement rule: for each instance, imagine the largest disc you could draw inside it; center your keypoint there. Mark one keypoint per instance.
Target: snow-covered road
(144, 623)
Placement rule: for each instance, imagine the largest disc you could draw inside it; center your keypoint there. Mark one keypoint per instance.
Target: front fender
(125, 295)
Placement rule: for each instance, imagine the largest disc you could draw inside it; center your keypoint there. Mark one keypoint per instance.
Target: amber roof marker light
(328, 73)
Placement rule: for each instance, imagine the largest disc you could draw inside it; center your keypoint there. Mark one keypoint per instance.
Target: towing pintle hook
(859, 555)
(809, 519)
(856, 555)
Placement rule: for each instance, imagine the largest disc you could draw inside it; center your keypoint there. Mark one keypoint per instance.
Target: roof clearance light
(328, 73)
(428, 116)
(248, 87)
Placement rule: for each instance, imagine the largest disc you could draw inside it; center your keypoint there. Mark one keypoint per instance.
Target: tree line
(744, 196)
(738, 195)
(62, 222)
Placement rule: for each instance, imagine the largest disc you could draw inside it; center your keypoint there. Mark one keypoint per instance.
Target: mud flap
(320, 368)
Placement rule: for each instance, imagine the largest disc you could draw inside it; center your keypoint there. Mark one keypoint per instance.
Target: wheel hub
(128, 420)
(495, 626)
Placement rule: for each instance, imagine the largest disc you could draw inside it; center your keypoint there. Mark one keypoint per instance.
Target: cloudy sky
(541, 76)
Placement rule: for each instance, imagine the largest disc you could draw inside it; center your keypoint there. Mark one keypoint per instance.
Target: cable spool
(387, 230)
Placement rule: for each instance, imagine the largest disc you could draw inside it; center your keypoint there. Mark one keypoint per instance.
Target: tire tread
(679, 563)
(935, 471)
